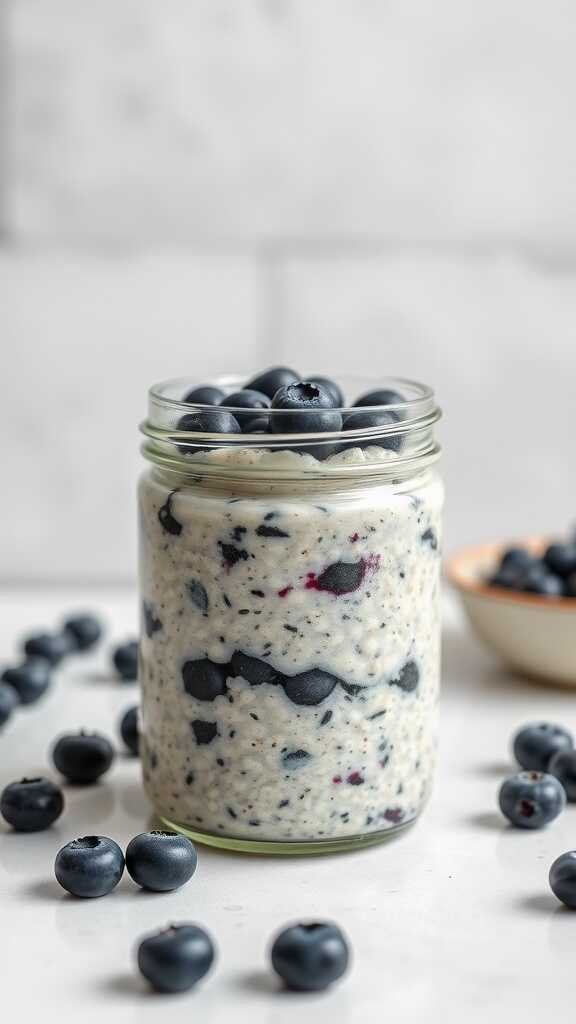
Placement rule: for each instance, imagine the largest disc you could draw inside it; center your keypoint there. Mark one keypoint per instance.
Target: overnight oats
(289, 573)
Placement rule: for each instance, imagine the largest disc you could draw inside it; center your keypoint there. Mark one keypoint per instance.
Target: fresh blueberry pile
(535, 796)
(311, 406)
(552, 574)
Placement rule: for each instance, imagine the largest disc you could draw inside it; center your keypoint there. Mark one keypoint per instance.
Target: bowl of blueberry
(520, 599)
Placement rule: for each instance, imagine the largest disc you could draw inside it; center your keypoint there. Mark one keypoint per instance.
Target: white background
(386, 187)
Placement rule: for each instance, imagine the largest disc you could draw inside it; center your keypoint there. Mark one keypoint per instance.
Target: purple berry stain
(285, 591)
(355, 779)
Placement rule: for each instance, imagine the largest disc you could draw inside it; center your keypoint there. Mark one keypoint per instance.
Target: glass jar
(290, 623)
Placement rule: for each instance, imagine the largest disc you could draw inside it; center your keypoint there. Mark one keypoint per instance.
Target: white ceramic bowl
(533, 634)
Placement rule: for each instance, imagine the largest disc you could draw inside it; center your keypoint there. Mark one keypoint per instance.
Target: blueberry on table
(50, 646)
(562, 878)
(531, 799)
(560, 559)
(563, 767)
(129, 730)
(309, 957)
(89, 867)
(83, 757)
(125, 660)
(382, 396)
(211, 421)
(30, 680)
(161, 861)
(306, 408)
(8, 701)
(175, 959)
(370, 421)
(271, 380)
(84, 630)
(534, 745)
(333, 389)
(205, 395)
(31, 805)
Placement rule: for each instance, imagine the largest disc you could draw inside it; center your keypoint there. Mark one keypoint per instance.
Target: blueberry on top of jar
(382, 396)
(307, 408)
(369, 420)
(210, 421)
(272, 379)
(204, 395)
(333, 389)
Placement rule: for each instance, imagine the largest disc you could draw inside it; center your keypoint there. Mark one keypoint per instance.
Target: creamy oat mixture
(290, 654)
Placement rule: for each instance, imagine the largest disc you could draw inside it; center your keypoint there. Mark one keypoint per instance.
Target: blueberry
(560, 559)
(307, 408)
(518, 559)
(570, 585)
(204, 679)
(152, 624)
(89, 867)
(271, 380)
(341, 577)
(125, 660)
(563, 767)
(407, 678)
(50, 646)
(83, 757)
(204, 396)
(538, 580)
(31, 805)
(168, 521)
(130, 731)
(8, 701)
(175, 959)
(30, 680)
(85, 631)
(531, 799)
(246, 399)
(204, 732)
(211, 421)
(534, 745)
(309, 957)
(198, 595)
(383, 396)
(253, 670)
(333, 389)
(507, 578)
(256, 425)
(310, 688)
(562, 878)
(370, 420)
(160, 861)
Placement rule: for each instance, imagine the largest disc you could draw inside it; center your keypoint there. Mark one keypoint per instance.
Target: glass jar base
(286, 849)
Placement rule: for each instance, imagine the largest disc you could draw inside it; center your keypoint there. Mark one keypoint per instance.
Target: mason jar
(290, 622)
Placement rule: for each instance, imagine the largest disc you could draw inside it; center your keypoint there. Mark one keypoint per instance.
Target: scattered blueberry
(198, 595)
(152, 624)
(309, 957)
(531, 799)
(30, 680)
(130, 731)
(83, 757)
(371, 420)
(205, 395)
(89, 867)
(309, 688)
(563, 767)
(175, 959)
(31, 805)
(562, 878)
(125, 660)
(211, 421)
(271, 380)
(341, 577)
(168, 521)
(307, 408)
(85, 631)
(8, 701)
(204, 679)
(560, 559)
(253, 670)
(333, 389)
(382, 396)
(204, 732)
(50, 646)
(160, 861)
(535, 745)
(291, 759)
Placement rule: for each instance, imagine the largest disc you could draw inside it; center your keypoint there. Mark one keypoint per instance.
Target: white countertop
(451, 921)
